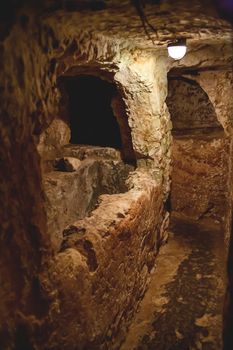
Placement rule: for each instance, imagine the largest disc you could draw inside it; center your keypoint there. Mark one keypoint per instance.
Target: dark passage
(91, 116)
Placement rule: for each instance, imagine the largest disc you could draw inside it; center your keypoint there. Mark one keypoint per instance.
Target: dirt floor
(182, 308)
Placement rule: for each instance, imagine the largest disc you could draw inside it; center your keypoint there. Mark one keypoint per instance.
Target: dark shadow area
(92, 120)
(197, 115)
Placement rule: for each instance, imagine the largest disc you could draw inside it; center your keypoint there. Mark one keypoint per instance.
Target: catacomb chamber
(85, 213)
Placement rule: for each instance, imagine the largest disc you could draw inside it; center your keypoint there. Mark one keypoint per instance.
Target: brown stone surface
(218, 85)
(105, 243)
(65, 300)
(200, 177)
(189, 106)
(83, 152)
(103, 265)
(68, 164)
(23, 304)
(70, 196)
(182, 308)
(201, 180)
(53, 138)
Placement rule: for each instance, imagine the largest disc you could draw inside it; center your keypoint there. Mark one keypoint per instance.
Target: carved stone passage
(200, 154)
(105, 213)
(81, 225)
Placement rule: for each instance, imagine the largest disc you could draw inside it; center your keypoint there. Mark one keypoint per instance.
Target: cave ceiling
(150, 26)
(166, 20)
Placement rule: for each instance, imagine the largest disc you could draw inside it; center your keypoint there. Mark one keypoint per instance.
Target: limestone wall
(190, 106)
(201, 148)
(200, 177)
(72, 302)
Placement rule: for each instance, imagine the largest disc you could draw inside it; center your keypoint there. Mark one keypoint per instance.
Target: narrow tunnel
(199, 212)
(116, 141)
(189, 283)
(200, 154)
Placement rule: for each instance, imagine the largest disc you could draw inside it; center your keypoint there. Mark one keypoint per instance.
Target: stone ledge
(116, 247)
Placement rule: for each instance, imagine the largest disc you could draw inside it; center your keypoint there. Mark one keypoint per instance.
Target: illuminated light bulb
(177, 50)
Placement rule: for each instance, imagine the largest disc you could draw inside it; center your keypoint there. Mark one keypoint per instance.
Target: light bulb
(177, 50)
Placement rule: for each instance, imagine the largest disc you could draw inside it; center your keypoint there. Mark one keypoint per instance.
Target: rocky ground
(182, 309)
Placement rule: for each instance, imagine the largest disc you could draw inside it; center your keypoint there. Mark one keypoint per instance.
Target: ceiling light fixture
(177, 49)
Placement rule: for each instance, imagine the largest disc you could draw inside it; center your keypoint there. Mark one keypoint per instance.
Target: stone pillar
(143, 80)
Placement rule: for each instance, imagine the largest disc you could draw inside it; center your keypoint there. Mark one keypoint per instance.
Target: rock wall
(219, 87)
(102, 267)
(72, 193)
(190, 106)
(200, 177)
(84, 295)
(201, 150)
(93, 239)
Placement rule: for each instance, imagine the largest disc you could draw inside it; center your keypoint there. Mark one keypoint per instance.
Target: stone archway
(200, 154)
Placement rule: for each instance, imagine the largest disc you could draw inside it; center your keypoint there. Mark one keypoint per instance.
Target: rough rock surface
(190, 106)
(200, 177)
(182, 308)
(218, 85)
(201, 151)
(109, 251)
(107, 242)
(54, 137)
(68, 164)
(42, 298)
(73, 195)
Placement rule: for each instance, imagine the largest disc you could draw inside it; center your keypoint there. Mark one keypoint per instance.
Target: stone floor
(182, 309)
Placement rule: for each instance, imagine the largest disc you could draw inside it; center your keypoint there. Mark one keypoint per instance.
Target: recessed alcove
(200, 154)
(93, 108)
(92, 120)
(190, 108)
(95, 158)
